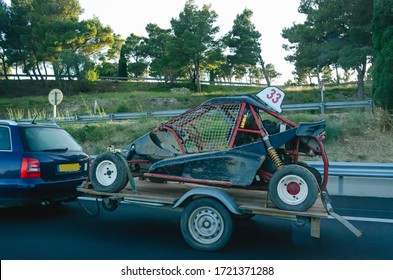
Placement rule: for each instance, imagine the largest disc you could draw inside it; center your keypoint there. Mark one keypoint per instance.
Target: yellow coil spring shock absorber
(273, 153)
(243, 123)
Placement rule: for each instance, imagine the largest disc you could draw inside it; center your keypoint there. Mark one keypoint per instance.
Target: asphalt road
(67, 232)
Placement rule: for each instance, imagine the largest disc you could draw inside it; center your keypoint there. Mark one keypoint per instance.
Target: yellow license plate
(69, 167)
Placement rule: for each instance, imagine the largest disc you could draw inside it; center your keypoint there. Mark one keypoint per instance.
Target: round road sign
(55, 96)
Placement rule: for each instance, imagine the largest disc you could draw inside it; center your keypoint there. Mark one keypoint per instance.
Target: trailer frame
(178, 196)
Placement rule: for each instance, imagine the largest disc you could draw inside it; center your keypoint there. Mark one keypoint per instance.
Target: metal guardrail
(174, 113)
(375, 177)
(330, 105)
(356, 169)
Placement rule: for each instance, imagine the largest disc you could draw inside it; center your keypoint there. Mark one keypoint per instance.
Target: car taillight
(30, 168)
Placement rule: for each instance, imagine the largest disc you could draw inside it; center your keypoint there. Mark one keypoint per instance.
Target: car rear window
(47, 139)
(5, 141)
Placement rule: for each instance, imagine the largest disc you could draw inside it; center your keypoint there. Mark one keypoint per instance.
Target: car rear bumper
(39, 194)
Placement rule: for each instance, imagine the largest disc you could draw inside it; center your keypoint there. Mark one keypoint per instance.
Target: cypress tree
(383, 53)
(122, 70)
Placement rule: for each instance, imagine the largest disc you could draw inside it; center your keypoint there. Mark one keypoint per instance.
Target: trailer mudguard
(218, 194)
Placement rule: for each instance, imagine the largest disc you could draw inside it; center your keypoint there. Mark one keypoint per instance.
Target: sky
(269, 17)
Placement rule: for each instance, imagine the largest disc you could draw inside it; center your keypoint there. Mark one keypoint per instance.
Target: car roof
(8, 122)
(239, 98)
(26, 124)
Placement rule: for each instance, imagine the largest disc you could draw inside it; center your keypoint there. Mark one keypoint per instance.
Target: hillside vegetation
(352, 134)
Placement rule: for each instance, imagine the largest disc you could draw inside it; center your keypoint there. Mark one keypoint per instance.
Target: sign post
(322, 87)
(55, 97)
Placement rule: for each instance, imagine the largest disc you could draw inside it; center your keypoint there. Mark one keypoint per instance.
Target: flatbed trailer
(221, 151)
(208, 212)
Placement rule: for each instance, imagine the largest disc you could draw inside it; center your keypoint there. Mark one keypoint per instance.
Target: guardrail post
(322, 104)
(372, 106)
(340, 185)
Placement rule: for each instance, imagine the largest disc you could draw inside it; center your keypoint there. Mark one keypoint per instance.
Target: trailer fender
(218, 194)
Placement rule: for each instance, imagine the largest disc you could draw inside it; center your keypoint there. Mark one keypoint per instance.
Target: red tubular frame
(325, 164)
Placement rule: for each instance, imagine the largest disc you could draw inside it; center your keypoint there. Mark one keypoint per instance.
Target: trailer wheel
(206, 224)
(293, 188)
(108, 173)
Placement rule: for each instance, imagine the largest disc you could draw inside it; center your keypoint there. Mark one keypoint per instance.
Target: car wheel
(293, 188)
(206, 225)
(108, 173)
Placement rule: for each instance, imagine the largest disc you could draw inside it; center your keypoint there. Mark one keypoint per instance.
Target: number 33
(272, 94)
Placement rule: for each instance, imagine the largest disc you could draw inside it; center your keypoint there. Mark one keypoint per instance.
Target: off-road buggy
(239, 141)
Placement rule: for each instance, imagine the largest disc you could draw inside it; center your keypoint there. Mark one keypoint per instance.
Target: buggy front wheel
(108, 173)
(293, 188)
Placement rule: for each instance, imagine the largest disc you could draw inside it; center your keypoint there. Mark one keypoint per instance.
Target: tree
(122, 69)
(4, 29)
(356, 46)
(383, 53)
(158, 46)
(194, 32)
(74, 64)
(335, 33)
(271, 72)
(18, 37)
(215, 58)
(243, 43)
(91, 37)
(109, 60)
(40, 31)
(305, 52)
(135, 56)
(53, 24)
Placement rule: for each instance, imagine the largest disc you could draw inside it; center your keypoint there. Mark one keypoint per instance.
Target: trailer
(230, 157)
(208, 213)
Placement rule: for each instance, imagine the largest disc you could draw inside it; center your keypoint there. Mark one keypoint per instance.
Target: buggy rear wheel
(293, 188)
(108, 173)
(313, 170)
(206, 224)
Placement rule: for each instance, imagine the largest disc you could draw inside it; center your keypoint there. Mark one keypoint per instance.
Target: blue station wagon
(39, 164)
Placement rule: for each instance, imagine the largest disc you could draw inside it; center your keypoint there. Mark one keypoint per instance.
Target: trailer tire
(206, 224)
(108, 173)
(293, 188)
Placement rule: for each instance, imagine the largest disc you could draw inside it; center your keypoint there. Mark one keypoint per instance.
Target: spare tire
(108, 173)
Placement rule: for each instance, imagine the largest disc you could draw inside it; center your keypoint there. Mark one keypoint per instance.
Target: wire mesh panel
(206, 128)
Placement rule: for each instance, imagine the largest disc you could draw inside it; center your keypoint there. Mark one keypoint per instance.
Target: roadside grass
(95, 138)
